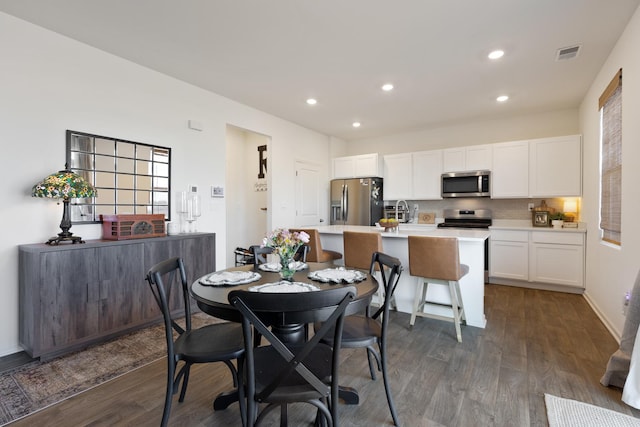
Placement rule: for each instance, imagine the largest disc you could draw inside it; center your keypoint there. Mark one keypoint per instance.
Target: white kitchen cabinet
(427, 170)
(510, 170)
(360, 166)
(471, 158)
(398, 176)
(555, 167)
(509, 254)
(557, 258)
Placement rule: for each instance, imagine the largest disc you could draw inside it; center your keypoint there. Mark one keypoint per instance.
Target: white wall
(540, 125)
(612, 270)
(50, 83)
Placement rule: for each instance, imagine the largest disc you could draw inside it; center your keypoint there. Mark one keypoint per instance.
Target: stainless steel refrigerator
(356, 201)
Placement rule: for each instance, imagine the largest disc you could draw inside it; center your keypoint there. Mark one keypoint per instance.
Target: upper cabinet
(510, 171)
(398, 176)
(427, 170)
(555, 167)
(471, 158)
(360, 166)
(414, 176)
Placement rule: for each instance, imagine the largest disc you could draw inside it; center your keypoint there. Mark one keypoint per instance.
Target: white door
(307, 194)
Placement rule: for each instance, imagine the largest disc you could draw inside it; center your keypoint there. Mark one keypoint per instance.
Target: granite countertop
(525, 225)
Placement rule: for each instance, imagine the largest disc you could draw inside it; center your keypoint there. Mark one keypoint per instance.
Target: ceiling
(273, 55)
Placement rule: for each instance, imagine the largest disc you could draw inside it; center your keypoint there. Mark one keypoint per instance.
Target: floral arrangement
(285, 242)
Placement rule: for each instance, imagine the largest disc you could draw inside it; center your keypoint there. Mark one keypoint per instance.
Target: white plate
(337, 275)
(229, 278)
(274, 267)
(285, 286)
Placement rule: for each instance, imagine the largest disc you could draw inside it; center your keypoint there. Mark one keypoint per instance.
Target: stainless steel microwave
(466, 184)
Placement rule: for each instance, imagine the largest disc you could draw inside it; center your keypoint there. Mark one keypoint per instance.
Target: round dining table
(213, 300)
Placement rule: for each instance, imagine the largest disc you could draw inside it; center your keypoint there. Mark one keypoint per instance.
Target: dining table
(211, 296)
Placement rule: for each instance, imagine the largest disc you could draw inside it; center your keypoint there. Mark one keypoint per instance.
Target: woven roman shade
(610, 104)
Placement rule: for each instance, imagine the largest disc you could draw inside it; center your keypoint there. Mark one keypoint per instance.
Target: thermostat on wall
(217, 191)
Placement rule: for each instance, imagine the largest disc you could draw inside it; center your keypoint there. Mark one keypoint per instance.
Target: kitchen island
(395, 243)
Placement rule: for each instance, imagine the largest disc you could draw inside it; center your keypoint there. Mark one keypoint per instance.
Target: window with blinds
(610, 105)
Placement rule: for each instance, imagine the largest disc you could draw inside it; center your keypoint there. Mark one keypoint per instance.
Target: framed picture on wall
(541, 219)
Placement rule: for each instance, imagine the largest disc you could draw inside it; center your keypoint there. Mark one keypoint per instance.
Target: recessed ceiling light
(387, 87)
(312, 101)
(356, 124)
(502, 98)
(496, 54)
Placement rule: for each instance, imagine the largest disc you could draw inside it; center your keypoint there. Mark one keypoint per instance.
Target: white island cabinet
(396, 244)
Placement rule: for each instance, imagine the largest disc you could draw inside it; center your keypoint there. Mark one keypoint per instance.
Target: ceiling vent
(566, 53)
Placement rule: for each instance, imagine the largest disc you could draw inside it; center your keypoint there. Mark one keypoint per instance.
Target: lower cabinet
(545, 257)
(75, 295)
(557, 258)
(509, 254)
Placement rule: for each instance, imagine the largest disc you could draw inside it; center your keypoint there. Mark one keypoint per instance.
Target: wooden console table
(72, 296)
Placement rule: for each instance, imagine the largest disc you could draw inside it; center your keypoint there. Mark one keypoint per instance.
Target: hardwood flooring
(535, 342)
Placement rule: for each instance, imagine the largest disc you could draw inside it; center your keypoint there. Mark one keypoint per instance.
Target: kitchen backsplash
(500, 208)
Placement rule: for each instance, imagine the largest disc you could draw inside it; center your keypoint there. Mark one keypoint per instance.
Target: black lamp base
(67, 238)
(65, 225)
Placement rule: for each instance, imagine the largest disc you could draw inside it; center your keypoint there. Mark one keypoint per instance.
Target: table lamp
(64, 185)
(570, 209)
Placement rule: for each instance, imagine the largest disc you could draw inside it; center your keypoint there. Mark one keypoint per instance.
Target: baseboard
(607, 324)
(536, 285)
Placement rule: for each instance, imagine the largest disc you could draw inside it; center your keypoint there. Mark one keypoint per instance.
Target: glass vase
(287, 267)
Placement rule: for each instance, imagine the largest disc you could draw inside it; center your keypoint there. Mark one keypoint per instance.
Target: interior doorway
(307, 194)
(247, 189)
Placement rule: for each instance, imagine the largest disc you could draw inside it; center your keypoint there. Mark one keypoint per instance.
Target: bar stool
(437, 260)
(316, 253)
(358, 250)
(359, 247)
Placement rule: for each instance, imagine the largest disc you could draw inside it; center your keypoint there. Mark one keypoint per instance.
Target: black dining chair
(370, 329)
(260, 253)
(281, 373)
(220, 342)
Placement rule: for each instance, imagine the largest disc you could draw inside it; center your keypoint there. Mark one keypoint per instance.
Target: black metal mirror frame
(130, 177)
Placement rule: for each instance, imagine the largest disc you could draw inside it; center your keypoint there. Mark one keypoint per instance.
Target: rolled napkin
(284, 286)
(337, 275)
(230, 278)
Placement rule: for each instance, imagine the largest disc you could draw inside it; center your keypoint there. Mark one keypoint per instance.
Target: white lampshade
(570, 206)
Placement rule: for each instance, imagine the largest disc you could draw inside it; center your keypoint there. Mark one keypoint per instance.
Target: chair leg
(454, 307)
(171, 369)
(372, 371)
(416, 301)
(185, 381)
(387, 386)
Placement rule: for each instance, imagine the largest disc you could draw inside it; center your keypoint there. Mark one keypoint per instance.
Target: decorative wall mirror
(130, 177)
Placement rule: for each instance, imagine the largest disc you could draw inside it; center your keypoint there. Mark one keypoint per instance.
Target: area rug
(37, 385)
(570, 413)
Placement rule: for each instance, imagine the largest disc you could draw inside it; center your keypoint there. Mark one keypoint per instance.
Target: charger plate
(230, 278)
(275, 267)
(284, 286)
(337, 275)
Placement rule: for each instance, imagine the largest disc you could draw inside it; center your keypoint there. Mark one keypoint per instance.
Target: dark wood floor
(535, 342)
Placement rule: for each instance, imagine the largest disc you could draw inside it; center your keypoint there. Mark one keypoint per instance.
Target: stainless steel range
(469, 218)
(466, 218)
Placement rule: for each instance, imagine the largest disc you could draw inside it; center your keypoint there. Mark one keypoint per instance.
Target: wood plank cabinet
(72, 296)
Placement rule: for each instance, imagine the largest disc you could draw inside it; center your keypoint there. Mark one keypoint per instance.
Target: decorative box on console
(123, 227)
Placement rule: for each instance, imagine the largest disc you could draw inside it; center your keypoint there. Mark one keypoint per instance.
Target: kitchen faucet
(405, 205)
